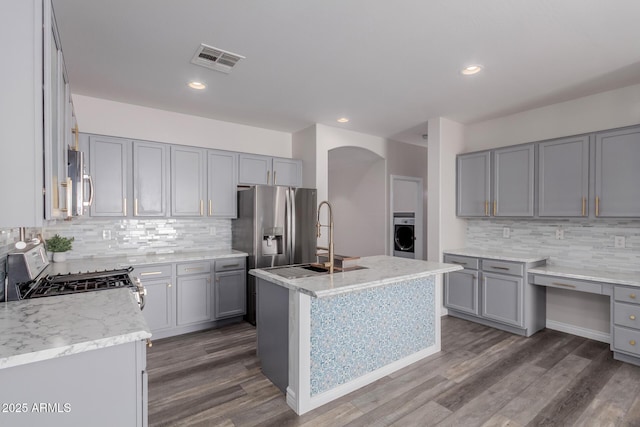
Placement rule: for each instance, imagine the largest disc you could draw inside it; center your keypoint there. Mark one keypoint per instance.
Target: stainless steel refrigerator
(275, 226)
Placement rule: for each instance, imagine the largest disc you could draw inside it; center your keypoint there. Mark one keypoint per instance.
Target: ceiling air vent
(216, 59)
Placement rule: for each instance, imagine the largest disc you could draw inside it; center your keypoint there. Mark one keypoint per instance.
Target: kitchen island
(325, 335)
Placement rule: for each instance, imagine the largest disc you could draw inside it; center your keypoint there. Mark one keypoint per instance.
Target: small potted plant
(59, 245)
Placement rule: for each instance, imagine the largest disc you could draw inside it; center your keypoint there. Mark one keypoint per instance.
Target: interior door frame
(419, 214)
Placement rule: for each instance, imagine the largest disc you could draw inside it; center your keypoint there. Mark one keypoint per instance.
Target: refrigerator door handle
(292, 220)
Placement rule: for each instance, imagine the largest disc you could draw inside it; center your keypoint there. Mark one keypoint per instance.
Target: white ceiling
(387, 65)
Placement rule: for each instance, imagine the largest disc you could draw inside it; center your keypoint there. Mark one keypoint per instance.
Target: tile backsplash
(101, 238)
(586, 244)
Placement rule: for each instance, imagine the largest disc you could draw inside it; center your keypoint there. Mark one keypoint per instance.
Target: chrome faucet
(318, 234)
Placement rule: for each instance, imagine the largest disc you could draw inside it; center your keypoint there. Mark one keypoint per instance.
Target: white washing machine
(404, 236)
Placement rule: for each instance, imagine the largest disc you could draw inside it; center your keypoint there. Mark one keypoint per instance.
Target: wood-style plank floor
(482, 377)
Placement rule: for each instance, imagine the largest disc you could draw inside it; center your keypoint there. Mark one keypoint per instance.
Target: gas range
(27, 278)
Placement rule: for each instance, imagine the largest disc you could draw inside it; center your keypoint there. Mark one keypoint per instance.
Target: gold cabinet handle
(499, 268)
(135, 207)
(584, 206)
(274, 177)
(210, 207)
(597, 206)
(124, 206)
(632, 317)
(632, 296)
(495, 207)
(563, 285)
(201, 207)
(193, 269)
(168, 285)
(458, 262)
(268, 176)
(151, 273)
(149, 343)
(486, 208)
(632, 342)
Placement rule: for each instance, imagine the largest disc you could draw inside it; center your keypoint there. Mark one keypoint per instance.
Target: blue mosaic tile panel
(356, 333)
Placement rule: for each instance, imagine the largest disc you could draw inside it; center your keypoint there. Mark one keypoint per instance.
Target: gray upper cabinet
(617, 175)
(287, 172)
(473, 184)
(230, 294)
(255, 169)
(222, 184)
(513, 181)
(150, 172)
(188, 181)
(108, 162)
(563, 177)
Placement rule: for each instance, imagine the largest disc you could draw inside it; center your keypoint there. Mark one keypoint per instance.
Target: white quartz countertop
(381, 270)
(110, 263)
(45, 328)
(497, 255)
(617, 278)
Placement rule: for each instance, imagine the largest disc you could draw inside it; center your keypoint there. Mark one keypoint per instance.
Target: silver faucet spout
(318, 234)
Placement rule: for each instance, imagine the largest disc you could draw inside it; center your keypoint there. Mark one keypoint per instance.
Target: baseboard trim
(577, 330)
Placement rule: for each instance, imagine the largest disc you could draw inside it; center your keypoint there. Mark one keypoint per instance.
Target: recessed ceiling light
(471, 69)
(343, 120)
(196, 85)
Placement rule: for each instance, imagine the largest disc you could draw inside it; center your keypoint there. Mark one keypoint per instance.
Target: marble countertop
(617, 278)
(497, 255)
(381, 270)
(109, 263)
(45, 328)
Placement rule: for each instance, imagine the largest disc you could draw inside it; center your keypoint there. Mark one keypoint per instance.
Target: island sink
(302, 270)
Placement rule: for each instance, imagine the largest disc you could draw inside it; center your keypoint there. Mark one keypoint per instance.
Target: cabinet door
(254, 169)
(108, 160)
(194, 296)
(513, 181)
(150, 161)
(461, 291)
(229, 294)
(159, 304)
(502, 298)
(563, 177)
(473, 184)
(187, 181)
(287, 172)
(617, 174)
(222, 184)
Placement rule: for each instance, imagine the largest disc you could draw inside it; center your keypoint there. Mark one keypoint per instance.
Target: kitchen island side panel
(357, 333)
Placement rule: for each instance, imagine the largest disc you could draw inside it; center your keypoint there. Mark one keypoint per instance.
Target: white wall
(606, 110)
(112, 118)
(356, 190)
(303, 147)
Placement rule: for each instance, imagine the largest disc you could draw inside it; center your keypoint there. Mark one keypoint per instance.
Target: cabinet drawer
(229, 264)
(626, 315)
(563, 283)
(503, 267)
(194, 268)
(149, 272)
(631, 295)
(466, 262)
(626, 340)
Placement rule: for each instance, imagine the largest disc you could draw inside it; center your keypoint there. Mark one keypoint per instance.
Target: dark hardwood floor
(482, 377)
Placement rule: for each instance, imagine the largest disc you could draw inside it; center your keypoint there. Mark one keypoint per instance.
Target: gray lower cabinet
(159, 309)
(109, 166)
(502, 298)
(513, 181)
(103, 387)
(563, 177)
(495, 293)
(150, 183)
(193, 293)
(229, 288)
(617, 193)
(473, 184)
(188, 181)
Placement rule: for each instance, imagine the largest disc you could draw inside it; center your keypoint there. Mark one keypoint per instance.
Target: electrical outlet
(106, 234)
(559, 234)
(619, 242)
(506, 232)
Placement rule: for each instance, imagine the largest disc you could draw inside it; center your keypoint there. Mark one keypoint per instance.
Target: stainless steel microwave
(76, 172)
